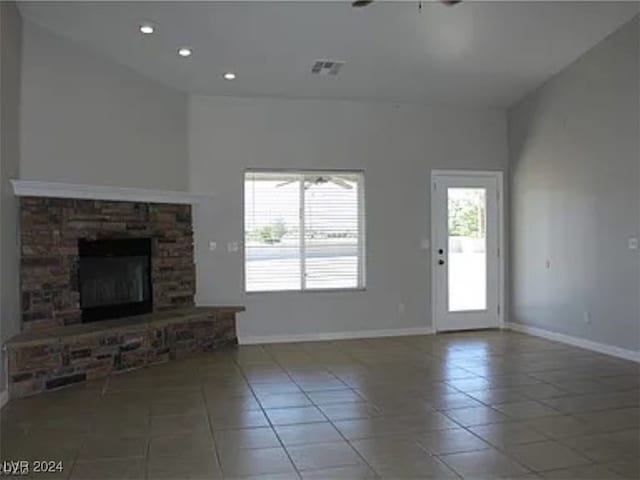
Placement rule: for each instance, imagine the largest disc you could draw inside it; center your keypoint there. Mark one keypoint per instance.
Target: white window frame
(362, 258)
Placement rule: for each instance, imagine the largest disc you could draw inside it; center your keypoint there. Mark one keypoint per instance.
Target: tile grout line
(323, 414)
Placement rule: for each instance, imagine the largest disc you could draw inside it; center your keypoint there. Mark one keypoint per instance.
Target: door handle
(440, 262)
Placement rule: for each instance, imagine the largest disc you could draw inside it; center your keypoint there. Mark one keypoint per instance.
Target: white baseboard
(4, 398)
(612, 350)
(315, 337)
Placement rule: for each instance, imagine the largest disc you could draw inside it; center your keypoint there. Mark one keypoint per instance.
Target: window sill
(315, 290)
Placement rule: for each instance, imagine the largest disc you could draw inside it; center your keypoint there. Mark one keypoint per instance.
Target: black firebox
(114, 278)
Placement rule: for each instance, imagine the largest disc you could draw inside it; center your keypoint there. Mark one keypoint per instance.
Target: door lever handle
(440, 262)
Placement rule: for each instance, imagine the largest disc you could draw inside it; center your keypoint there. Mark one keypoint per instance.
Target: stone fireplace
(107, 285)
(65, 240)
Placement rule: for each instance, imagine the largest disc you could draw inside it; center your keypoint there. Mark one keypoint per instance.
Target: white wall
(10, 38)
(575, 165)
(396, 146)
(87, 119)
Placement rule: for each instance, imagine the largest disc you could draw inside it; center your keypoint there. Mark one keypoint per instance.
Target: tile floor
(473, 405)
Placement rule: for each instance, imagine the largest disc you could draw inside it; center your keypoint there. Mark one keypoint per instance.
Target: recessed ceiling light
(229, 76)
(184, 52)
(146, 28)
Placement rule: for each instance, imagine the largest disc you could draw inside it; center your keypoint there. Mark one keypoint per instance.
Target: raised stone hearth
(51, 229)
(89, 268)
(47, 360)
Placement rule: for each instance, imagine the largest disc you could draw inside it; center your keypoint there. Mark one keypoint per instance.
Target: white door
(466, 248)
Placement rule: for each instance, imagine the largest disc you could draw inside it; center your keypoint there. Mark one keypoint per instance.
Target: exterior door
(466, 250)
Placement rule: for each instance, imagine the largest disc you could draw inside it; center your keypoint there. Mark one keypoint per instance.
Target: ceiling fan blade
(284, 183)
(341, 183)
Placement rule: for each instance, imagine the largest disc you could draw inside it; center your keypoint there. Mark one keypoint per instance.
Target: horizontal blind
(331, 218)
(272, 232)
(303, 230)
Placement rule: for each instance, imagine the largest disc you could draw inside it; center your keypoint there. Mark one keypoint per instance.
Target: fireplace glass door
(114, 278)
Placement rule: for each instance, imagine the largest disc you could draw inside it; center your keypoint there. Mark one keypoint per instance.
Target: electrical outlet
(232, 247)
(633, 243)
(402, 308)
(213, 246)
(586, 316)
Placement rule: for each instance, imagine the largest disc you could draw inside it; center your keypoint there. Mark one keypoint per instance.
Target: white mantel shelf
(34, 188)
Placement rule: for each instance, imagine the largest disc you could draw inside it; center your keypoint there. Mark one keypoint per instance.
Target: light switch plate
(232, 247)
(633, 243)
(425, 244)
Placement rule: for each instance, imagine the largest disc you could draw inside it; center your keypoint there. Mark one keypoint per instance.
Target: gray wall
(396, 146)
(10, 40)
(87, 119)
(575, 197)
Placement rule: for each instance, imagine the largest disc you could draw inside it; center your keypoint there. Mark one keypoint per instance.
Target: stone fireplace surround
(55, 349)
(50, 231)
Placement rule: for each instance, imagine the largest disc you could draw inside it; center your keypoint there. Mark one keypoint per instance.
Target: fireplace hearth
(114, 278)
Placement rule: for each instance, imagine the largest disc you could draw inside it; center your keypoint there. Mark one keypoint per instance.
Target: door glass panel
(467, 240)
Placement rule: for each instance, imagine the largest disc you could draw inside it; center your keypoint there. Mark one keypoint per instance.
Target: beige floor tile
(607, 447)
(504, 435)
(204, 467)
(238, 419)
(540, 391)
(612, 420)
(273, 476)
(351, 472)
(526, 410)
(254, 462)
(294, 415)
(261, 437)
(109, 469)
(560, 427)
(308, 433)
(284, 400)
(451, 441)
(451, 401)
(323, 455)
(498, 396)
(629, 469)
(189, 407)
(549, 455)
(108, 447)
(45, 444)
(161, 425)
(330, 397)
(181, 445)
(468, 417)
(403, 411)
(390, 450)
(484, 464)
(582, 472)
(275, 388)
(428, 467)
(350, 411)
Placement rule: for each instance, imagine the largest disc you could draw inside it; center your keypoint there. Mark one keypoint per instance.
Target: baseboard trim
(577, 342)
(4, 398)
(316, 337)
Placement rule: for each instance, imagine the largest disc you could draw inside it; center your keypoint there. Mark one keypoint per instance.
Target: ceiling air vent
(326, 67)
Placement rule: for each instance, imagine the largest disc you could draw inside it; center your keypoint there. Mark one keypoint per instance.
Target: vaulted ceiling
(473, 54)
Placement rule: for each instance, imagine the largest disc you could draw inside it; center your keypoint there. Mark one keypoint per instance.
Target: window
(303, 230)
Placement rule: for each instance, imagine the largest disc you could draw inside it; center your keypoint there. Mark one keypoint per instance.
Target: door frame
(499, 177)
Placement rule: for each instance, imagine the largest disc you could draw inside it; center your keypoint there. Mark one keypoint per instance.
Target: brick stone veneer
(51, 228)
(47, 360)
